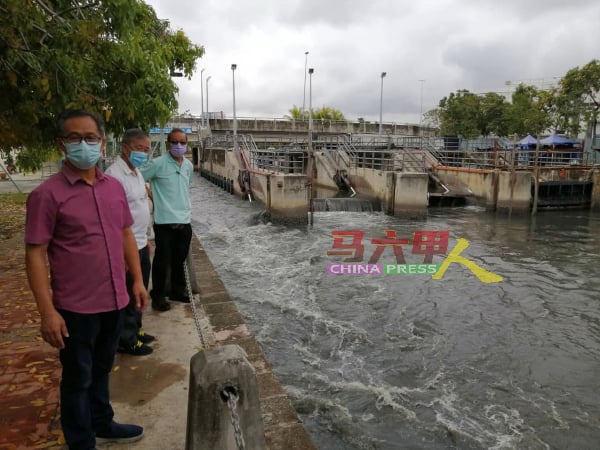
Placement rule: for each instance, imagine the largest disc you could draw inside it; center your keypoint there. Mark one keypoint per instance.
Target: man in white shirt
(134, 153)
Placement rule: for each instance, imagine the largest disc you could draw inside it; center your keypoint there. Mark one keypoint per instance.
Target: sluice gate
(563, 194)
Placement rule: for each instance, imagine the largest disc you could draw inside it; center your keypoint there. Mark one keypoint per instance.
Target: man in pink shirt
(79, 221)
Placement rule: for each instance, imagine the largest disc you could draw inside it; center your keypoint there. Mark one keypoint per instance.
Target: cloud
(477, 45)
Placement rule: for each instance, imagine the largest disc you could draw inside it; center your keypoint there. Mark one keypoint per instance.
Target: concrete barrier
(217, 374)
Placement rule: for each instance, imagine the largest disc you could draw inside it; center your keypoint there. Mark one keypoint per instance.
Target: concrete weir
(290, 180)
(286, 196)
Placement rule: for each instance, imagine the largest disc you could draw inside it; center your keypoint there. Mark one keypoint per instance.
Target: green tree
(297, 113)
(529, 111)
(114, 57)
(459, 114)
(492, 115)
(469, 115)
(328, 113)
(577, 98)
(325, 112)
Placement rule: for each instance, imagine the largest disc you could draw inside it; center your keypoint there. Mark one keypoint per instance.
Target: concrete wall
(596, 190)
(284, 196)
(481, 182)
(410, 192)
(324, 172)
(493, 188)
(514, 191)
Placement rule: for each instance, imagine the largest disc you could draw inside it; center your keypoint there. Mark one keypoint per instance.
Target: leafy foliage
(529, 111)
(574, 102)
(578, 97)
(326, 113)
(459, 114)
(114, 57)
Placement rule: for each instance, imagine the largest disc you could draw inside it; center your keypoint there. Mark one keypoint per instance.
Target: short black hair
(70, 114)
(176, 130)
(133, 134)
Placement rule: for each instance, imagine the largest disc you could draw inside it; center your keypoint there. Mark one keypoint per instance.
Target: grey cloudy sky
(476, 45)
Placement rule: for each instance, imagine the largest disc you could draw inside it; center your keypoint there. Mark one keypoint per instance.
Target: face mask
(178, 150)
(83, 155)
(138, 159)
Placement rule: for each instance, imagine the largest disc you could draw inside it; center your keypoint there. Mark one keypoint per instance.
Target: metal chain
(232, 399)
(195, 312)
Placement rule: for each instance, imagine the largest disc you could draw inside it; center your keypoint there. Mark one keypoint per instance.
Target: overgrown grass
(12, 214)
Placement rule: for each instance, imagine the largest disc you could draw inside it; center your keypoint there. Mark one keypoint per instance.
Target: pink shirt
(83, 226)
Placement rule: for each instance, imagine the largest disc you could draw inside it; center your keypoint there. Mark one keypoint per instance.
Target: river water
(411, 362)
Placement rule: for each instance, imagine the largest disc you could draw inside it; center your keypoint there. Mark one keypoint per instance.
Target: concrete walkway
(150, 390)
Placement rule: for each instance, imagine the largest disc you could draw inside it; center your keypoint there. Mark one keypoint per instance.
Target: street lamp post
(233, 67)
(304, 95)
(310, 119)
(383, 74)
(202, 98)
(207, 113)
(421, 109)
(421, 115)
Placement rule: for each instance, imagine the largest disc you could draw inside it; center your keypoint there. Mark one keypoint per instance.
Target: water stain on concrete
(135, 380)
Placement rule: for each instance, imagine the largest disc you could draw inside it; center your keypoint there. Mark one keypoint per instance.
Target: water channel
(409, 362)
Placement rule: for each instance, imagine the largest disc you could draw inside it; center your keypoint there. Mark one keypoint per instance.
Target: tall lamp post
(202, 98)
(233, 67)
(207, 113)
(304, 95)
(383, 74)
(421, 111)
(310, 120)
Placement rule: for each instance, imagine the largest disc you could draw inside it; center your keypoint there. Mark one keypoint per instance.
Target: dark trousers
(132, 318)
(87, 360)
(172, 246)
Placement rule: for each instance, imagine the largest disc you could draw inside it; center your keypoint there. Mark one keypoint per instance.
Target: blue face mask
(83, 155)
(138, 159)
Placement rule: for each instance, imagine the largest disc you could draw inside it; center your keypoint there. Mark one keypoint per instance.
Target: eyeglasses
(178, 142)
(76, 139)
(138, 149)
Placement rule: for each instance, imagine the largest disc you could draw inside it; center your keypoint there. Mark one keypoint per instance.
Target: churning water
(408, 362)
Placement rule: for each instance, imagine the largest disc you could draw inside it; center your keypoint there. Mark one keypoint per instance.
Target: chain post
(230, 395)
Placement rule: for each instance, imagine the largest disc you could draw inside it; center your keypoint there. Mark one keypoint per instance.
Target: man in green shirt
(170, 176)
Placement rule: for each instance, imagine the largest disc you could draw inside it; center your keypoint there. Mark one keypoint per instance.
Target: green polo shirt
(170, 185)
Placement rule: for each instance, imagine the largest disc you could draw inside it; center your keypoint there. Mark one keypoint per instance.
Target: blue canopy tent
(555, 139)
(528, 141)
(565, 150)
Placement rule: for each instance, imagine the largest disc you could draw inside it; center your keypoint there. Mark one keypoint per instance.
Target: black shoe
(145, 337)
(160, 305)
(182, 299)
(138, 349)
(116, 432)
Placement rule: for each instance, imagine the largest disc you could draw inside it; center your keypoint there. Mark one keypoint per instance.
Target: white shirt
(137, 197)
